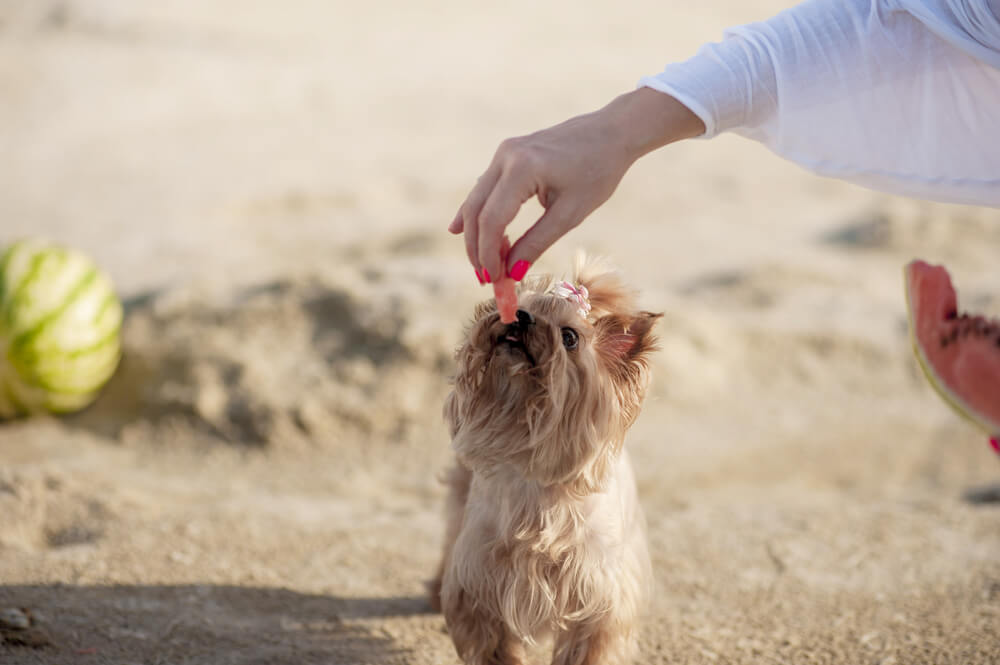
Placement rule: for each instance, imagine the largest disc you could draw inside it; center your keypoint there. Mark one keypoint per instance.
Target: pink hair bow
(578, 295)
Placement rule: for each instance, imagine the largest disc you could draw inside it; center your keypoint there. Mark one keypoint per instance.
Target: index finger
(469, 214)
(510, 192)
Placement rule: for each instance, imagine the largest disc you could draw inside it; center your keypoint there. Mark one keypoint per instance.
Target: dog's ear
(623, 344)
(625, 339)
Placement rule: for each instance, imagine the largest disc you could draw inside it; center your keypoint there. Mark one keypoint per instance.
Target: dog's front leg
(479, 637)
(603, 641)
(458, 480)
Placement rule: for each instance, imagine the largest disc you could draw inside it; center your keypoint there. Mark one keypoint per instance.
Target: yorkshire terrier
(545, 535)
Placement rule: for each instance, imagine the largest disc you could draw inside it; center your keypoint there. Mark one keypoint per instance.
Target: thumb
(557, 221)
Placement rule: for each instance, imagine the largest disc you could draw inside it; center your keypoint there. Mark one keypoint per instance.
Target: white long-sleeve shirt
(897, 95)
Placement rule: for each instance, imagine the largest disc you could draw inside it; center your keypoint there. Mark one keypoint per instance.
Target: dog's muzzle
(513, 335)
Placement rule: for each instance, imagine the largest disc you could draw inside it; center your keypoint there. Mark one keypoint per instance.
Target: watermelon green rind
(960, 406)
(74, 325)
(110, 304)
(61, 404)
(4, 260)
(26, 337)
(55, 282)
(17, 288)
(64, 402)
(73, 373)
(73, 335)
(42, 362)
(42, 356)
(60, 323)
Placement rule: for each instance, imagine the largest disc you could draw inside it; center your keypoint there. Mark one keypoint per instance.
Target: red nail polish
(479, 277)
(486, 276)
(519, 270)
(995, 442)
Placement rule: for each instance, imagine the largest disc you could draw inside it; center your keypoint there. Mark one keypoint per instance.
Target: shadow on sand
(202, 624)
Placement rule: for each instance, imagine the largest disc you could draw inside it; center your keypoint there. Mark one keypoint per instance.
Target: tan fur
(545, 533)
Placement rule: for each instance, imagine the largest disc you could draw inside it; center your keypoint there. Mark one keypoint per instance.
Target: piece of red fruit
(960, 355)
(505, 288)
(505, 292)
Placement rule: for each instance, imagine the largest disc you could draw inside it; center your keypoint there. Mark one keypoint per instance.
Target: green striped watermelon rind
(57, 357)
(957, 404)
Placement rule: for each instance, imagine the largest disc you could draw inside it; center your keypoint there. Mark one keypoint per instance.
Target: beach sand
(268, 183)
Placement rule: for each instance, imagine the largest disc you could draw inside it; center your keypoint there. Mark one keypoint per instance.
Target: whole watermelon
(59, 329)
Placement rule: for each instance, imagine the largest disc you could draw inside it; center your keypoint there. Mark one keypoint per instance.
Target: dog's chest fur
(548, 559)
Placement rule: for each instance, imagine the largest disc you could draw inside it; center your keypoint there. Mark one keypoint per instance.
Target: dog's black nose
(524, 317)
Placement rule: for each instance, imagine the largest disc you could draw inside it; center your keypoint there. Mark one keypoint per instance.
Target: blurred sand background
(269, 182)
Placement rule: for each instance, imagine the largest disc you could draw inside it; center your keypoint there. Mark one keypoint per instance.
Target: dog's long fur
(545, 533)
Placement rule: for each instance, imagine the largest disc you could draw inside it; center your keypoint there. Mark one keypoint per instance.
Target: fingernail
(481, 282)
(519, 270)
(995, 442)
(486, 276)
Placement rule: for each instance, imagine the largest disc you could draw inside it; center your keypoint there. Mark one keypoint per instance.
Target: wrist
(646, 119)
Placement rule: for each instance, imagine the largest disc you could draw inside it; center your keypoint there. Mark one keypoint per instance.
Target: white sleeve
(897, 95)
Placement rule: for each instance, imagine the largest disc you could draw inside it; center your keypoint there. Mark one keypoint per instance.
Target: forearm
(643, 120)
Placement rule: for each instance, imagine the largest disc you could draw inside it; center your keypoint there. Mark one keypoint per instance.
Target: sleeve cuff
(729, 85)
(684, 98)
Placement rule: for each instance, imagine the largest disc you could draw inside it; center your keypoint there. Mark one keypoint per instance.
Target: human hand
(572, 168)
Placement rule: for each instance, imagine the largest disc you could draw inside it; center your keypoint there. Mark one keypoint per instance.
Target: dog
(545, 536)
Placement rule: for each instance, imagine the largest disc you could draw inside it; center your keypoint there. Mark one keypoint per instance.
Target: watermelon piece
(505, 288)
(60, 322)
(505, 293)
(959, 354)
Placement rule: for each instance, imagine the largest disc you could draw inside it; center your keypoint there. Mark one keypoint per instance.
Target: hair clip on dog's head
(578, 295)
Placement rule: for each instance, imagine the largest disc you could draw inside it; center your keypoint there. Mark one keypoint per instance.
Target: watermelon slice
(505, 292)
(505, 288)
(959, 354)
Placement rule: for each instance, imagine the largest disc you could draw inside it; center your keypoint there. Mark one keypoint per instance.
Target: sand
(269, 182)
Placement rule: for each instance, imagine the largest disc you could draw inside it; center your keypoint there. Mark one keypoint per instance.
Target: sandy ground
(268, 183)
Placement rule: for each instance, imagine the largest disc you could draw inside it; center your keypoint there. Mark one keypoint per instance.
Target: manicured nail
(480, 278)
(995, 442)
(486, 276)
(519, 270)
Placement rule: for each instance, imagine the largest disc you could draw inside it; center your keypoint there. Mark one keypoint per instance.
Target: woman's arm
(897, 95)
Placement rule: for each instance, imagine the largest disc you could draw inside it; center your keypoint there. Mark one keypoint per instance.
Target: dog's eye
(570, 338)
